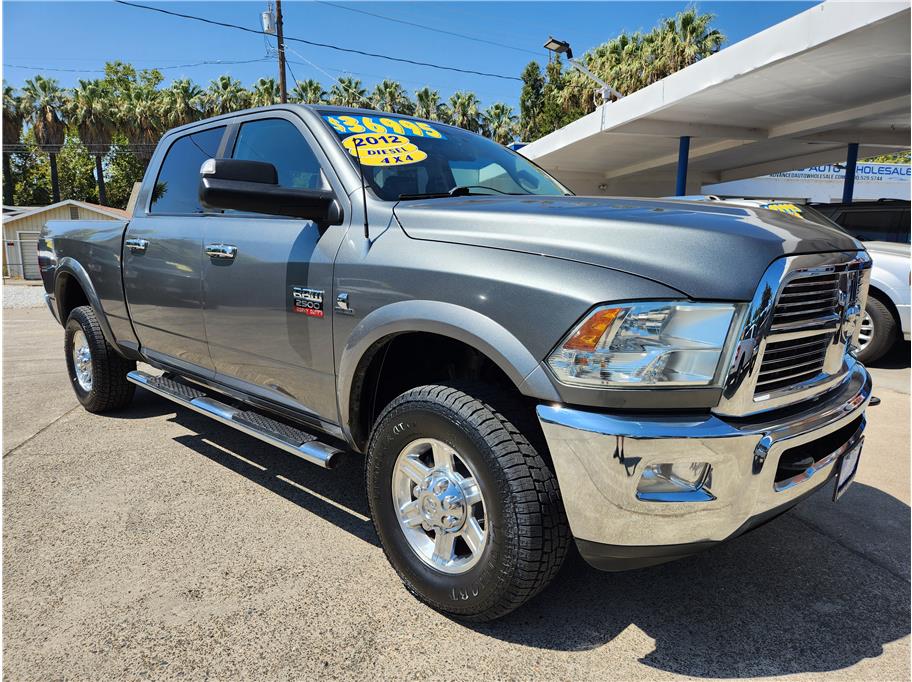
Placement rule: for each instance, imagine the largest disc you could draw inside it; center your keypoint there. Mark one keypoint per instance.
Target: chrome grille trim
(793, 339)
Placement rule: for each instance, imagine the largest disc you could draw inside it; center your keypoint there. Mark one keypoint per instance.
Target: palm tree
(347, 92)
(500, 123)
(182, 103)
(44, 102)
(140, 119)
(391, 96)
(226, 94)
(427, 104)
(265, 92)
(12, 129)
(89, 111)
(689, 38)
(308, 92)
(465, 112)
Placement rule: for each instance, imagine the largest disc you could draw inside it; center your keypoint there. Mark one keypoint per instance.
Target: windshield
(407, 158)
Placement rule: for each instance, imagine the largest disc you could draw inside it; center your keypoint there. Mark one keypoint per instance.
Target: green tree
(390, 96)
(895, 157)
(347, 92)
(224, 95)
(464, 111)
(13, 117)
(500, 123)
(555, 110)
(124, 169)
(89, 111)
(265, 93)
(44, 101)
(31, 173)
(687, 38)
(182, 102)
(531, 102)
(427, 104)
(308, 92)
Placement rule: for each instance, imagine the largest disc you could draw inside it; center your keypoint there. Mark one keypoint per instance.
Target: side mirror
(252, 186)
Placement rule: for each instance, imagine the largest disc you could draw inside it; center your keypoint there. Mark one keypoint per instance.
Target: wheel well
(397, 363)
(69, 295)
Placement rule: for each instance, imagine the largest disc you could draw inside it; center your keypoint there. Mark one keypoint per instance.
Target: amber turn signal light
(591, 331)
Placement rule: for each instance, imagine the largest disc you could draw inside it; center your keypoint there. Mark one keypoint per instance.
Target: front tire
(878, 331)
(468, 513)
(98, 373)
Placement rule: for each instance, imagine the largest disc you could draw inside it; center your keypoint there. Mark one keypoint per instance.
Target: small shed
(22, 225)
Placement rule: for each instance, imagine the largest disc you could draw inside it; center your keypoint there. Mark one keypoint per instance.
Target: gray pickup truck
(521, 367)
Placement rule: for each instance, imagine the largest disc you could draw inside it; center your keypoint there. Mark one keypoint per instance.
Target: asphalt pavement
(158, 544)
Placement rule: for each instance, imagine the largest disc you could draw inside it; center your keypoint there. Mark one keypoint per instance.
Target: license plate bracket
(847, 467)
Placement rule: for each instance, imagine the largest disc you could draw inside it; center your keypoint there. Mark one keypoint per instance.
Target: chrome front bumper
(599, 458)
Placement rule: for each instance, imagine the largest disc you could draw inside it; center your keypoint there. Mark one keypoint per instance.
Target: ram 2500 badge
(521, 367)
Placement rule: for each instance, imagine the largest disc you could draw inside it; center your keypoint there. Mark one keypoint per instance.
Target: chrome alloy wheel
(866, 332)
(82, 360)
(439, 506)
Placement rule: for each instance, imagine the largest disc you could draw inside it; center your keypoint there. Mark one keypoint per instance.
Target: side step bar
(288, 438)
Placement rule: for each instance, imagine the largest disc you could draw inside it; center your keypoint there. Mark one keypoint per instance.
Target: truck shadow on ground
(817, 590)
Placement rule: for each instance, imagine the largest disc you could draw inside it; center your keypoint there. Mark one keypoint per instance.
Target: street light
(563, 47)
(559, 46)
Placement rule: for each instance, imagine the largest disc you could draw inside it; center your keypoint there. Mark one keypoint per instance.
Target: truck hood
(702, 250)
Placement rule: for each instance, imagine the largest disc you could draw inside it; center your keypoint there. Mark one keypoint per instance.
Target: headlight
(654, 343)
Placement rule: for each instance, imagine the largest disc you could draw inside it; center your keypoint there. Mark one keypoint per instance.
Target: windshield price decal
(373, 124)
(383, 150)
(791, 209)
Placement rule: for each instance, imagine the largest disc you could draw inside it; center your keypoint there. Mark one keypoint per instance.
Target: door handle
(225, 251)
(137, 245)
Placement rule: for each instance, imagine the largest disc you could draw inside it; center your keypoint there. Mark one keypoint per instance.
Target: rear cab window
(176, 189)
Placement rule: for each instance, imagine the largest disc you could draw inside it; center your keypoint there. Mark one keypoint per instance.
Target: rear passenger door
(266, 334)
(163, 256)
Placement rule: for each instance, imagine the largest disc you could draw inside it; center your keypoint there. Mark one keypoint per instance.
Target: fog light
(679, 482)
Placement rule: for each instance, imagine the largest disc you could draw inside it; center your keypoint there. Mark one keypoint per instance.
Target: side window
(872, 225)
(279, 142)
(177, 186)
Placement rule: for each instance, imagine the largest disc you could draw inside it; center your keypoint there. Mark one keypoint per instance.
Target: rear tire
(98, 373)
(879, 324)
(434, 450)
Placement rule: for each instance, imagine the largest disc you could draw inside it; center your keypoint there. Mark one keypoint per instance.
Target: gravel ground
(23, 296)
(157, 544)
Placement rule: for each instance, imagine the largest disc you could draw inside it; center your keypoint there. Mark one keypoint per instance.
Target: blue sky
(81, 36)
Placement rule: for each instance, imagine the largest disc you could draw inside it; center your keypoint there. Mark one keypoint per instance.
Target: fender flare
(444, 319)
(70, 266)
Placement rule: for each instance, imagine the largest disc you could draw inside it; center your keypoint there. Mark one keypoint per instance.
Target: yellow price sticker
(791, 209)
(374, 149)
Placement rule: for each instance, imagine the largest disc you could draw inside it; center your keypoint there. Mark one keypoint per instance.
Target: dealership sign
(864, 172)
(823, 183)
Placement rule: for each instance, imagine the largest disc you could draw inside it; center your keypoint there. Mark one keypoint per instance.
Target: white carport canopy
(792, 96)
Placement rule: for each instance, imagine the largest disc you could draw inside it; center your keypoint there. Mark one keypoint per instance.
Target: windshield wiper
(459, 191)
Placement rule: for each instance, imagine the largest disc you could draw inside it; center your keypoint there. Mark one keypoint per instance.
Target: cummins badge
(308, 301)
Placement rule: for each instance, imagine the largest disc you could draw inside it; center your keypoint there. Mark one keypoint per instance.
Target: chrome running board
(288, 438)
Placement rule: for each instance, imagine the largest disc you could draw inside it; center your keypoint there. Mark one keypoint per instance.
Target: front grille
(791, 362)
(806, 299)
(806, 318)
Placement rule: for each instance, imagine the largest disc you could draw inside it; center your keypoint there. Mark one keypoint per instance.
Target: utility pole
(283, 92)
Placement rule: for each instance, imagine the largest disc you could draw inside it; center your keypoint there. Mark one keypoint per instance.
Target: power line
(215, 62)
(329, 46)
(336, 80)
(428, 28)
